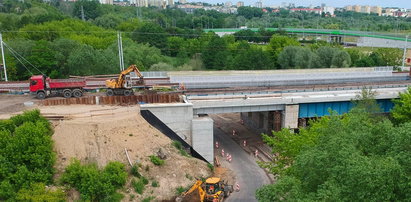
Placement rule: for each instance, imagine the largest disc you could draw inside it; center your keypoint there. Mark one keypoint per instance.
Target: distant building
(228, 4)
(107, 2)
(240, 3)
(328, 9)
(182, 1)
(259, 4)
(311, 10)
(377, 10)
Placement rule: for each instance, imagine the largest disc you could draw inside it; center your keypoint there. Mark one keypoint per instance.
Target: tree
(326, 55)
(152, 34)
(215, 53)
(91, 9)
(249, 12)
(341, 59)
(402, 108)
(296, 57)
(390, 56)
(278, 43)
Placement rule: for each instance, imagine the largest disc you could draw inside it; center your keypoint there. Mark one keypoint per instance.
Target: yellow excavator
(213, 190)
(121, 85)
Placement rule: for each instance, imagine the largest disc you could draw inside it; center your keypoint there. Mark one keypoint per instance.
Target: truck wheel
(110, 92)
(67, 93)
(41, 95)
(127, 92)
(77, 93)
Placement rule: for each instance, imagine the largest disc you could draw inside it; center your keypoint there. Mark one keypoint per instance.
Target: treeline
(51, 39)
(357, 156)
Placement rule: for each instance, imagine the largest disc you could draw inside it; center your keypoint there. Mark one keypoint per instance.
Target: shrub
(211, 167)
(156, 161)
(26, 155)
(94, 184)
(38, 192)
(180, 190)
(138, 186)
(144, 180)
(154, 184)
(134, 171)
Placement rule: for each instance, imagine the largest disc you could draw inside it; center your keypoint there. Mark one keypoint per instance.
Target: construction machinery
(122, 85)
(43, 86)
(213, 190)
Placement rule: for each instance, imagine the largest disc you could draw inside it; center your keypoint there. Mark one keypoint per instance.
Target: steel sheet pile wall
(116, 100)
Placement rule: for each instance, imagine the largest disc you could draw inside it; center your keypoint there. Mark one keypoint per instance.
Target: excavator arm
(196, 186)
(119, 82)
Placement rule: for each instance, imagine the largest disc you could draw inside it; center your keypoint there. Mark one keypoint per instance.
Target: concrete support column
(203, 137)
(290, 116)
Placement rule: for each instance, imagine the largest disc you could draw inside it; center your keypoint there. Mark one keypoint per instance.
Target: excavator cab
(212, 185)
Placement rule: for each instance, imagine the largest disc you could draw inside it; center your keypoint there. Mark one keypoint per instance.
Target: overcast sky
(335, 3)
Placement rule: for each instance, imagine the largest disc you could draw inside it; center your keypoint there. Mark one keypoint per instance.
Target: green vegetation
(156, 160)
(148, 199)
(180, 190)
(134, 171)
(343, 158)
(209, 165)
(26, 158)
(52, 37)
(180, 148)
(402, 108)
(138, 185)
(94, 184)
(154, 184)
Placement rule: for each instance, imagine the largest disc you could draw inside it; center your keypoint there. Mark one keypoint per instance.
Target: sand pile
(99, 134)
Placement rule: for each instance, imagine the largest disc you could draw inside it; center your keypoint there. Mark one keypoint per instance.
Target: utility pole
(405, 51)
(2, 55)
(120, 51)
(82, 14)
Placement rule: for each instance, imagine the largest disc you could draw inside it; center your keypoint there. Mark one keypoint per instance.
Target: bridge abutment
(195, 131)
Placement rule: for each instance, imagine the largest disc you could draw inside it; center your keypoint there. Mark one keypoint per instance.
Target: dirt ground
(10, 104)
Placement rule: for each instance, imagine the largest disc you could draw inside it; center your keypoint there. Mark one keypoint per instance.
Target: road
(249, 175)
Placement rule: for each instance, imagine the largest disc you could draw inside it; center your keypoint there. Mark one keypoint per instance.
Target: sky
(335, 3)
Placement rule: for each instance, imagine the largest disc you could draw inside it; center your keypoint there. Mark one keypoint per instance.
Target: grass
(211, 167)
(180, 148)
(180, 190)
(134, 171)
(156, 161)
(148, 199)
(144, 180)
(138, 186)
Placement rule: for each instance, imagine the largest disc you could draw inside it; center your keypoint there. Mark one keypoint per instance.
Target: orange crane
(122, 86)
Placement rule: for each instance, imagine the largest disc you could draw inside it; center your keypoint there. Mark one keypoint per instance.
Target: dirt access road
(250, 176)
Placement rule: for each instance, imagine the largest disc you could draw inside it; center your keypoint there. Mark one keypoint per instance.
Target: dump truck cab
(37, 83)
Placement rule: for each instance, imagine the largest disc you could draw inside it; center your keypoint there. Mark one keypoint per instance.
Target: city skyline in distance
(382, 3)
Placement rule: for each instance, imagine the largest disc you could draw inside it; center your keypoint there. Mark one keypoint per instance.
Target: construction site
(142, 114)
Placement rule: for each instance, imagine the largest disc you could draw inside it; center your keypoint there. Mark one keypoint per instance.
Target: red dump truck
(43, 86)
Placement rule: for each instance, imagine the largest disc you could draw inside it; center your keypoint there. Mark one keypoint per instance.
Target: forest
(53, 39)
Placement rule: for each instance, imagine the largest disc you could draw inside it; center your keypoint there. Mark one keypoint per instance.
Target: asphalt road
(249, 175)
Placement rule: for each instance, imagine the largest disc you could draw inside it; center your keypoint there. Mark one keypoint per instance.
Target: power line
(16, 53)
(19, 60)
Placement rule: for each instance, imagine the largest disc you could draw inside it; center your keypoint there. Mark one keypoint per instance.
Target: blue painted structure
(310, 110)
